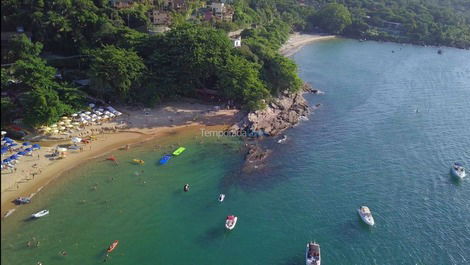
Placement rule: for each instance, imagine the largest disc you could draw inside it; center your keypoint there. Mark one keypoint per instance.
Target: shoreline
(298, 40)
(105, 143)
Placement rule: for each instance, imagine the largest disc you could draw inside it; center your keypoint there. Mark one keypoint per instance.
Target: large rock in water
(281, 114)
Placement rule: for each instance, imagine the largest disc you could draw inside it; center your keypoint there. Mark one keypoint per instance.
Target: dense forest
(69, 40)
(429, 22)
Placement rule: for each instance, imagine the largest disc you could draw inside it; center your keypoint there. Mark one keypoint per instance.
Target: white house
(237, 41)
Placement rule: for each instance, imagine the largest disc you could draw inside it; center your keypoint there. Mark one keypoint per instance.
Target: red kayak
(113, 246)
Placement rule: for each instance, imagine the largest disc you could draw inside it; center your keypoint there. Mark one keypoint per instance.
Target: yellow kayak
(138, 161)
(178, 151)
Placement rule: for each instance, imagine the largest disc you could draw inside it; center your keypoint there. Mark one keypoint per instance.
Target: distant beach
(135, 126)
(298, 40)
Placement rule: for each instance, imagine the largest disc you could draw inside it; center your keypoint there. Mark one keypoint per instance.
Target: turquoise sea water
(366, 145)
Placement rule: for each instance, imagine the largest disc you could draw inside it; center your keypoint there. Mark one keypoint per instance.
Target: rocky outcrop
(255, 157)
(281, 114)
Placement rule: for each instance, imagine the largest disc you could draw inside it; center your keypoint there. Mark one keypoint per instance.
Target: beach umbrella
(6, 138)
(27, 150)
(74, 115)
(14, 157)
(3, 132)
(106, 117)
(75, 123)
(4, 150)
(76, 140)
(54, 125)
(87, 113)
(62, 128)
(47, 129)
(26, 143)
(69, 126)
(20, 154)
(91, 105)
(55, 131)
(6, 160)
(61, 123)
(12, 144)
(36, 146)
(64, 118)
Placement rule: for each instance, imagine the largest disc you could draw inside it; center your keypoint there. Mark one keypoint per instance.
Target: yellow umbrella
(64, 118)
(54, 125)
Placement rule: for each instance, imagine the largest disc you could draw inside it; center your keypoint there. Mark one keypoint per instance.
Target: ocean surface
(392, 121)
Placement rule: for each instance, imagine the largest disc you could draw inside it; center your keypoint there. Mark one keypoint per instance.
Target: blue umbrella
(13, 144)
(28, 149)
(4, 150)
(6, 160)
(14, 157)
(7, 139)
(22, 153)
(36, 146)
(26, 143)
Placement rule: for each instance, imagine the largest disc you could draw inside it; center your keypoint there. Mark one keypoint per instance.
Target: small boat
(312, 254)
(178, 151)
(221, 197)
(22, 200)
(165, 159)
(458, 170)
(230, 222)
(283, 139)
(138, 161)
(366, 215)
(112, 246)
(40, 214)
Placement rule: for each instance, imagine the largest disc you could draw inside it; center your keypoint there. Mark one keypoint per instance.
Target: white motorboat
(40, 214)
(283, 139)
(458, 170)
(221, 197)
(312, 254)
(366, 215)
(230, 222)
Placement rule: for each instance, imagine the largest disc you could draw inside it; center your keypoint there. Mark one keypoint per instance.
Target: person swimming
(186, 188)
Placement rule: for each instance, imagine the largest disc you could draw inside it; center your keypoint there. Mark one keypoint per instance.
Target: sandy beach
(134, 126)
(297, 41)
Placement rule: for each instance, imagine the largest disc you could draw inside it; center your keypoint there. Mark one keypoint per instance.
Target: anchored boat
(112, 246)
(178, 151)
(221, 197)
(40, 214)
(366, 215)
(312, 254)
(458, 170)
(230, 222)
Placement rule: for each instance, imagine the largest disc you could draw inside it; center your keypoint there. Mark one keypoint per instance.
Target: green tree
(239, 80)
(43, 106)
(115, 71)
(333, 18)
(22, 47)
